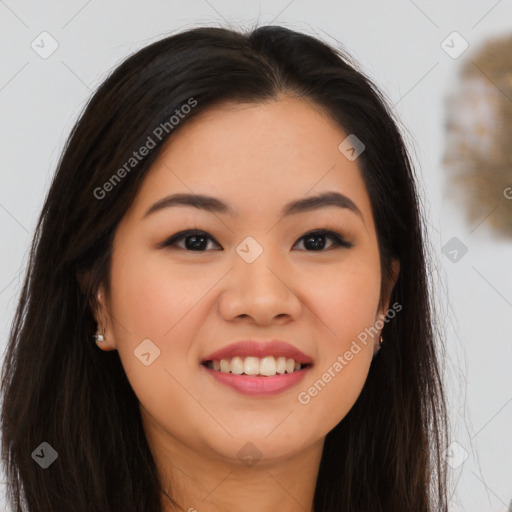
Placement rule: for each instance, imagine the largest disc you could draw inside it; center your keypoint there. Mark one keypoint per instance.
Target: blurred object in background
(478, 150)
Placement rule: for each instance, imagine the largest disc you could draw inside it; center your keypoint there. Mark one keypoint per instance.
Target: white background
(398, 43)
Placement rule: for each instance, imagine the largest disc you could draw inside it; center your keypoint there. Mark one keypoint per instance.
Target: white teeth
(281, 364)
(251, 366)
(237, 365)
(267, 366)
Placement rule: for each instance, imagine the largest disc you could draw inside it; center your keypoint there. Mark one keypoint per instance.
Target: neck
(212, 483)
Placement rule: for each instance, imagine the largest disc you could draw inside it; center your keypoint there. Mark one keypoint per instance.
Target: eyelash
(338, 240)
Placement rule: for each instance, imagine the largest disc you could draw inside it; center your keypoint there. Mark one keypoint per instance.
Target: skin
(256, 158)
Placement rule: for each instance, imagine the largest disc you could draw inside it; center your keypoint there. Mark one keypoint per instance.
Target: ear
(101, 313)
(381, 313)
(99, 307)
(395, 271)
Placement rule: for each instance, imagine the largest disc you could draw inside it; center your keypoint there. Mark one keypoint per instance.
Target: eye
(197, 240)
(312, 238)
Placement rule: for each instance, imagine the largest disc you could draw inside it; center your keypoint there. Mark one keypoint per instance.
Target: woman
(185, 340)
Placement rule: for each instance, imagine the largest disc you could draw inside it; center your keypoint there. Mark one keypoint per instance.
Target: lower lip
(259, 386)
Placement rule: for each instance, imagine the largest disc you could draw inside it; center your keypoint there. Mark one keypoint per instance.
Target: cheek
(151, 301)
(156, 299)
(345, 300)
(346, 305)
(152, 295)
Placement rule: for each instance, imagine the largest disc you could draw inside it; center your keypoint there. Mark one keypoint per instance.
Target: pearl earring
(381, 341)
(98, 337)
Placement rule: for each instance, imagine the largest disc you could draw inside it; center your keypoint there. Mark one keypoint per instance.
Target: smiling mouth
(268, 366)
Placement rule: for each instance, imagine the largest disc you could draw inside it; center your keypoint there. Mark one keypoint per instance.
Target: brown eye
(316, 240)
(195, 240)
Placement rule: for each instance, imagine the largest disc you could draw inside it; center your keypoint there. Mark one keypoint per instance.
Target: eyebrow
(214, 205)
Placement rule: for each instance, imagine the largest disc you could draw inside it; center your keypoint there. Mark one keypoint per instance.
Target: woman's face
(251, 274)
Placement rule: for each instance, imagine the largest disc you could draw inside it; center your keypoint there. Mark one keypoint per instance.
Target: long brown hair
(58, 388)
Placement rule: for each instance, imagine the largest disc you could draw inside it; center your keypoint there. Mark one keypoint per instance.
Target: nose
(263, 290)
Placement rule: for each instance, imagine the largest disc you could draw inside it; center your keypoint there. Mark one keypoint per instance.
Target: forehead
(256, 157)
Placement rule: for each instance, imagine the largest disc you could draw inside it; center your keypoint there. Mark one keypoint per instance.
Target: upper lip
(247, 348)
